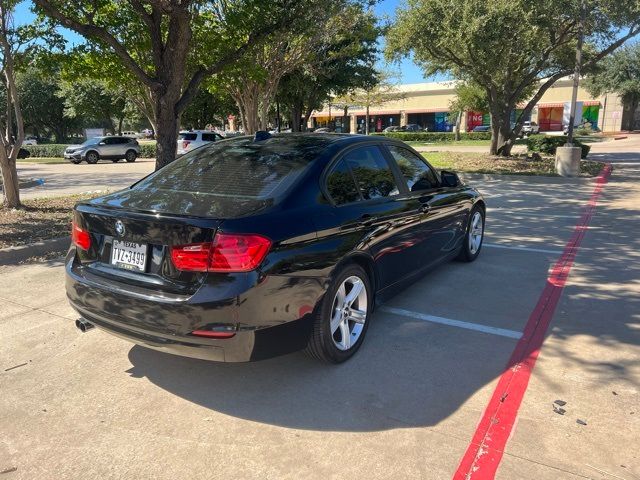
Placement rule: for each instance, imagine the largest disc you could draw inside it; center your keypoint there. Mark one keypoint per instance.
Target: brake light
(80, 237)
(185, 144)
(227, 253)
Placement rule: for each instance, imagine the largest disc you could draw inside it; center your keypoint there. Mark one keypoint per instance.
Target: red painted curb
(483, 455)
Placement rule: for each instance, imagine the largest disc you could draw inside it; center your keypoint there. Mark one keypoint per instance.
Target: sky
(407, 71)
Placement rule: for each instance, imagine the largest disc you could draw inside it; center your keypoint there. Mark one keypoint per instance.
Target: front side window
(209, 137)
(415, 171)
(371, 172)
(340, 184)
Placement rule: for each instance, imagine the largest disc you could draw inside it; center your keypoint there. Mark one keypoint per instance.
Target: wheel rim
(92, 157)
(349, 313)
(476, 231)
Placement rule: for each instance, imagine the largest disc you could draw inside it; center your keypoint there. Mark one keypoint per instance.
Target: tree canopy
(509, 47)
(619, 73)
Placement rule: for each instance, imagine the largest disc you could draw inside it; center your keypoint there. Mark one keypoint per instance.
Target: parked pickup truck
(529, 128)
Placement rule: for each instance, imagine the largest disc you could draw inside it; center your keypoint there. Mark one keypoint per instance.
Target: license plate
(129, 255)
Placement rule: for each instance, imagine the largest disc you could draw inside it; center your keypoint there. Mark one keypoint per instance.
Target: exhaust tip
(83, 325)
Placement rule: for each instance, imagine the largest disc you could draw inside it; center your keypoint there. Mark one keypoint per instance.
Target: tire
(130, 156)
(336, 334)
(472, 244)
(92, 158)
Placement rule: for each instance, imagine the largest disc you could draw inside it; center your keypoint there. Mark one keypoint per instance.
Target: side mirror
(449, 179)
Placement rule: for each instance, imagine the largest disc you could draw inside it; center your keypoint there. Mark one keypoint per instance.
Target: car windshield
(235, 170)
(92, 141)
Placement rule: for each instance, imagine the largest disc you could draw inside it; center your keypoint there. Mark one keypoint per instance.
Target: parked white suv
(192, 139)
(529, 128)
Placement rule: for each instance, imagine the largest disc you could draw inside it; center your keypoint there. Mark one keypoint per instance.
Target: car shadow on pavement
(407, 374)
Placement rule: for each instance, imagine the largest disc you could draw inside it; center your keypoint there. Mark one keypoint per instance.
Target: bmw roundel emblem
(120, 228)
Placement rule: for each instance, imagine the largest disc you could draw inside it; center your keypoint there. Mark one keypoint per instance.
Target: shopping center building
(428, 105)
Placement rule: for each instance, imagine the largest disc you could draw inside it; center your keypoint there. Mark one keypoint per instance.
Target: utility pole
(576, 75)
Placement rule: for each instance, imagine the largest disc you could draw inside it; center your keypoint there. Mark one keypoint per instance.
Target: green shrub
(148, 150)
(55, 150)
(549, 143)
(436, 136)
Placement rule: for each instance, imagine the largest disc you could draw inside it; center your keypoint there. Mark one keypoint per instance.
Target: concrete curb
(15, 255)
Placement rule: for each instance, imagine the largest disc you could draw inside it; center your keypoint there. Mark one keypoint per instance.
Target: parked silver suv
(108, 148)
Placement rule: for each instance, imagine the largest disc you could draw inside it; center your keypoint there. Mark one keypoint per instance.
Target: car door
(443, 209)
(108, 150)
(372, 210)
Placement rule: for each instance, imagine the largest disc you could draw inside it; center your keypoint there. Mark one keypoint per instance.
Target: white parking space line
(524, 249)
(503, 332)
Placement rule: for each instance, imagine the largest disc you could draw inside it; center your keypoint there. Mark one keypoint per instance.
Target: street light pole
(576, 75)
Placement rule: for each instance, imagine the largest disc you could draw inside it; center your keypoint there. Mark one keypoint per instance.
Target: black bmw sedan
(258, 246)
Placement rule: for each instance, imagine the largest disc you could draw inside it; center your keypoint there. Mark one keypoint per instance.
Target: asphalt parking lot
(410, 404)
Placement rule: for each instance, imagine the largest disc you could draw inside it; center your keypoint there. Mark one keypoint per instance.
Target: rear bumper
(269, 319)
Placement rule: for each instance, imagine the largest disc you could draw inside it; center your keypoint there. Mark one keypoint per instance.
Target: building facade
(428, 105)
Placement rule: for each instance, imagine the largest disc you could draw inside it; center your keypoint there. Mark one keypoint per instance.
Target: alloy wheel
(349, 313)
(476, 231)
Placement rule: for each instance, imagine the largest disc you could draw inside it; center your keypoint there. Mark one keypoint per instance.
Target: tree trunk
(495, 134)
(366, 125)
(10, 185)
(457, 129)
(167, 124)
(346, 127)
(296, 115)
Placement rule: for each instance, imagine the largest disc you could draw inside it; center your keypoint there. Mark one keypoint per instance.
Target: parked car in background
(530, 128)
(30, 141)
(191, 139)
(412, 127)
(481, 128)
(322, 130)
(131, 134)
(147, 133)
(113, 148)
(392, 128)
(259, 246)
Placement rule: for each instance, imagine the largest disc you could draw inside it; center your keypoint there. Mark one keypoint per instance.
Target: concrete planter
(568, 161)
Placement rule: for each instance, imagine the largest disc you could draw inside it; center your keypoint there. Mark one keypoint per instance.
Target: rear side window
(372, 173)
(209, 137)
(188, 136)
(415, 171)
(340, 184)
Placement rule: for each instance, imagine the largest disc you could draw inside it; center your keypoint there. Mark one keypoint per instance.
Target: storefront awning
(585, 103)
(428, 110)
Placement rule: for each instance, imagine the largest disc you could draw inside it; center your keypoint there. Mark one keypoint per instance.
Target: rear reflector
(210, 334)
(227, 253)
(80, 237)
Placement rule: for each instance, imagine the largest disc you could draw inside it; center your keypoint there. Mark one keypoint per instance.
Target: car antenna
(261, 135)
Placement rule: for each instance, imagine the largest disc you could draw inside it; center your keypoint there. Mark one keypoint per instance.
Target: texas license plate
(129, 255)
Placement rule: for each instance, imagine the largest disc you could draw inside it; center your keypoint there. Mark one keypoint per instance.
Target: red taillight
(227, 253)
(193, 258)
(185, 144)
(80, 237)
(212, 334)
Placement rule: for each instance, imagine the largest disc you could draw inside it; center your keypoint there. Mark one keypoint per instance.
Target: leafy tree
(469, 96)
(509, 47)
(43, 106)
(93, 103)
(375, 92)
(343, 61)
(170, 46)
(16, 46)
(619, 73)
(210, 106)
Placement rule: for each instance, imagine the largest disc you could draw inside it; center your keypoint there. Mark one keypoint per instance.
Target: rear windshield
(188, 136)
(238, 169)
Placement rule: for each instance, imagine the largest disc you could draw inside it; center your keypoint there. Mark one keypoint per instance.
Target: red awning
(585, 103)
